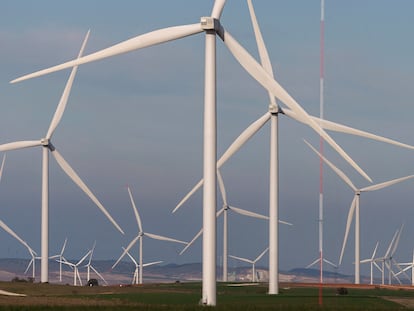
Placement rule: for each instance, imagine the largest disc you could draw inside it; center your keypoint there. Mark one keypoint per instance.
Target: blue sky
(136, 119)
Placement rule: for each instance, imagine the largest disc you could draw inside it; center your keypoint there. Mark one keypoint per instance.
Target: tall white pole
(44, 265)
(225, 243)
(274, 206)
(141, 266)
(357, 239)
(253, 273)
(209, 172)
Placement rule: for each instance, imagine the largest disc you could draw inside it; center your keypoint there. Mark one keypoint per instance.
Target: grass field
(185, 296)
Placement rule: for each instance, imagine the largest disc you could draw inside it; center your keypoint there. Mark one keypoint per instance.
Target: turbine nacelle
(210, 23)
(45, 142)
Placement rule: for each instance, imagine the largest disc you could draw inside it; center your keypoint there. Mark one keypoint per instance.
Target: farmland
(185, 296)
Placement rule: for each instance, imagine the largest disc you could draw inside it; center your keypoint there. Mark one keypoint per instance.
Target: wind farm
(214, 96)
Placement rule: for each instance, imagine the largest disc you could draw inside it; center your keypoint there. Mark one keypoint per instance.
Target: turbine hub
(273, 109)
(226, 207)
(210, 23)
(44, 142)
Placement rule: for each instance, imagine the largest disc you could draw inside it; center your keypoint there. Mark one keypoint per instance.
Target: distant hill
(123, 272)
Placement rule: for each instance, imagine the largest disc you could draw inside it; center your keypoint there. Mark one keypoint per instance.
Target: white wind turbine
(224, 211)
(410, 265)
(388, 259)
(75, 267)
(253, 262)
(47, 146)
(59, 257)
(89, 267)
(354, 208)
(372, 263)
(140, 236)
(211, 26)
(24, 243)
(135, 279)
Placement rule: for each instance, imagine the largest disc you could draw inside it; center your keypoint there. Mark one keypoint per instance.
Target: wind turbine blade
(261, 255)
(127, 249)
(63, 247)
(188, 195)
(231, 150)
(11, 232)
(76, 179)
(163, 238)
(28, 266)
(386, 184)
(264, 55)
(192, 241)
(83, 258)
(14, 234)
(248, 213)
(391, 244)
(333, 167)
(219, 212)
(20, 145)
(241, 259)
(132, 258)
(397, 241)
(218, 8)
(285, 223)
(91, 253)
(348, 225)
(149, 39)
(98, 274)
(377, 266)
(65, 95)
(2, 166)
(261, 76)
(222, 187)
(313, 263)
(135, 211)
(332, 126)
(330, 263)
(243, 138)
(151, 263)
(374, 252)
(341, 128)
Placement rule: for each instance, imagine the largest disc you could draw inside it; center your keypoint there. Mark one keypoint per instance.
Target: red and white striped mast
(321, 102)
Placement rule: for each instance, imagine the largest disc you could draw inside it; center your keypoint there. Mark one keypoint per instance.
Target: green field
(185, 296)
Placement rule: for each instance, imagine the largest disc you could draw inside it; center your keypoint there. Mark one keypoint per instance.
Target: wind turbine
(89, 267)
(32, 263)
(388, 259)
(140, 236)
(224, 211)
(135, 279)
(211, 26)
(253, 262)
(47, 146)
(75, 267)
(354, 208)
(24, 243)
(410, 265)
(60, 259)
(372, 263)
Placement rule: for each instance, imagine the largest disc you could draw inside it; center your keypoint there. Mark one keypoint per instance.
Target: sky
(136, 119)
